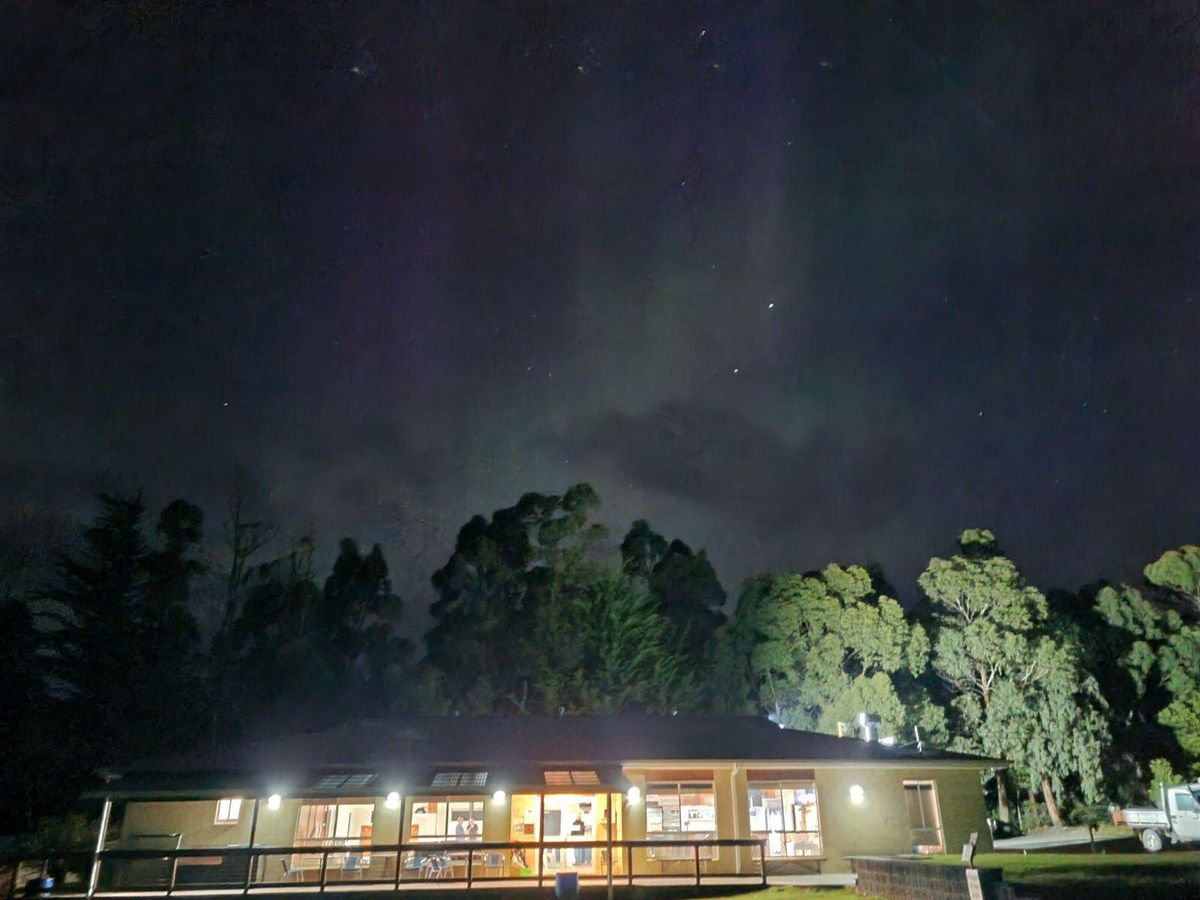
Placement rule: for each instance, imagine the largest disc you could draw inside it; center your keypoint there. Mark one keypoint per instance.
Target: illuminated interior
(785, 813)
(564, 817)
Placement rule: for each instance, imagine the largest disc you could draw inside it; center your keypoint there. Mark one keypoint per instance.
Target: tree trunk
(1002, 810)
(1051, 803)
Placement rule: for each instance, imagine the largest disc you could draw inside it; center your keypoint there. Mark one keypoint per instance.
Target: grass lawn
(1097, 876)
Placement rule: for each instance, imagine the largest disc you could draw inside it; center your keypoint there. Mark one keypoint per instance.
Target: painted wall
(878, 825)
(193, 819)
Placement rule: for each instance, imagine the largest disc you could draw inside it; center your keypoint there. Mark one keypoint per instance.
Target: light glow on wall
(634, 796)
(499, 797)
(274, 801)
(393, 800)
(856, 794)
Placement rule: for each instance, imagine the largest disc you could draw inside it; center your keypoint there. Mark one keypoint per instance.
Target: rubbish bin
(566, 886)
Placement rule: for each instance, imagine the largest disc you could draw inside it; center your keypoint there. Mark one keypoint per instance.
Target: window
(680, 811)
(785, 813)
(333, 823)
(924, 820)
(459, 779)
(446, 819)
(228, 811)
(1184, 801)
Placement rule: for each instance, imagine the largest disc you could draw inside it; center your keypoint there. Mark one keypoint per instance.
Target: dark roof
(512, 746)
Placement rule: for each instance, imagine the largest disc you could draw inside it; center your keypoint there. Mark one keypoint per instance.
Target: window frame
(929, 784)
(477, 807)
(779, 786)
(233, 808)
(678, 788)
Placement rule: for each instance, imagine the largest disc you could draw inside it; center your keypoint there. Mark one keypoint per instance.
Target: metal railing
(266, 869)
(785, 845)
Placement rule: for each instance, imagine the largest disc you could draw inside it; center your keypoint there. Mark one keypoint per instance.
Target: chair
(288, 871)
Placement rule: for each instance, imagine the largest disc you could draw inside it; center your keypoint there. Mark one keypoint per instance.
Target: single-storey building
(685, 783)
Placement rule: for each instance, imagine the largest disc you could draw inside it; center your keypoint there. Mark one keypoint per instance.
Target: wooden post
(105, 815)
(324, 867)
(250, 859)
(608, 825)
(696, 847)
(400, 838)
(541, 835)
(762, 861)
(629, 865)
(470, 865)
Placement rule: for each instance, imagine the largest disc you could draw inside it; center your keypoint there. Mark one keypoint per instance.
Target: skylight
(460, 779)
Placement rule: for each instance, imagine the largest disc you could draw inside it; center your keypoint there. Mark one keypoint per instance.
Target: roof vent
(869, 724)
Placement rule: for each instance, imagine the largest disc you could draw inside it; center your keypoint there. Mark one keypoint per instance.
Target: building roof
(515, 749)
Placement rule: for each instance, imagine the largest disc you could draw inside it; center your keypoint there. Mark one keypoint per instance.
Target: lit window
(229, 811)
(446, 819)
(785, 813)
(681, 812)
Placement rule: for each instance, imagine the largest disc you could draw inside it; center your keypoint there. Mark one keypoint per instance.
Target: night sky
(796, 282)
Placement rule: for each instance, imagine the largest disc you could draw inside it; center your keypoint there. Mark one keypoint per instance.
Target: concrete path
(1049, 838)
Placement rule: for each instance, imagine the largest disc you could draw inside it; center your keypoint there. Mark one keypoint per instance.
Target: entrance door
(567, 818)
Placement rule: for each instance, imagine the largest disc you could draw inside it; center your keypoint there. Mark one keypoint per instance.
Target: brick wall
(906, 879)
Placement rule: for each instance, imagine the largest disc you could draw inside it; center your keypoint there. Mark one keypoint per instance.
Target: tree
(683, 583)
(121, 638)
(823, 647)
(498, 592)
(353, 635)
(1018, 692)
(641, 550)
(609, 645)
(1178, 571)
(1147, 659)
(243, 539)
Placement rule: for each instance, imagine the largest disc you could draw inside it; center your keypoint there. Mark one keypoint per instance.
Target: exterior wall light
(499, 797)
(634, 796)
(856, 794)
(393, 800)
(274, 801)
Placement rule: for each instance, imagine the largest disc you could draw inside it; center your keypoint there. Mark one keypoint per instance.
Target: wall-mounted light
(634, 796)
(274, 801)
(856, 794)
(393, 800)
(499, 797)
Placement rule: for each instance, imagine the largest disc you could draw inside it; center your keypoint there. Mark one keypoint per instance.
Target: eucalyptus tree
(1017, 688)
(822, 647)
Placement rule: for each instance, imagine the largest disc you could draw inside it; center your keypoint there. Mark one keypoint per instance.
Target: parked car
(1176, 818)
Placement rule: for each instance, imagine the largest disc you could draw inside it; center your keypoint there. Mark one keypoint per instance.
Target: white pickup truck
(1176, 818)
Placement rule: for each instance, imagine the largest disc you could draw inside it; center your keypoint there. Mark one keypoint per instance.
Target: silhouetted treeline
(540, 609)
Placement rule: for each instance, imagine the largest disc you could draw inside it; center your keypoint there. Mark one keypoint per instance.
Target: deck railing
(265, 869)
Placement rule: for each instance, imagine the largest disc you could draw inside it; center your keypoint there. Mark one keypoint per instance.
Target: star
(736, 370)
(770, 306)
